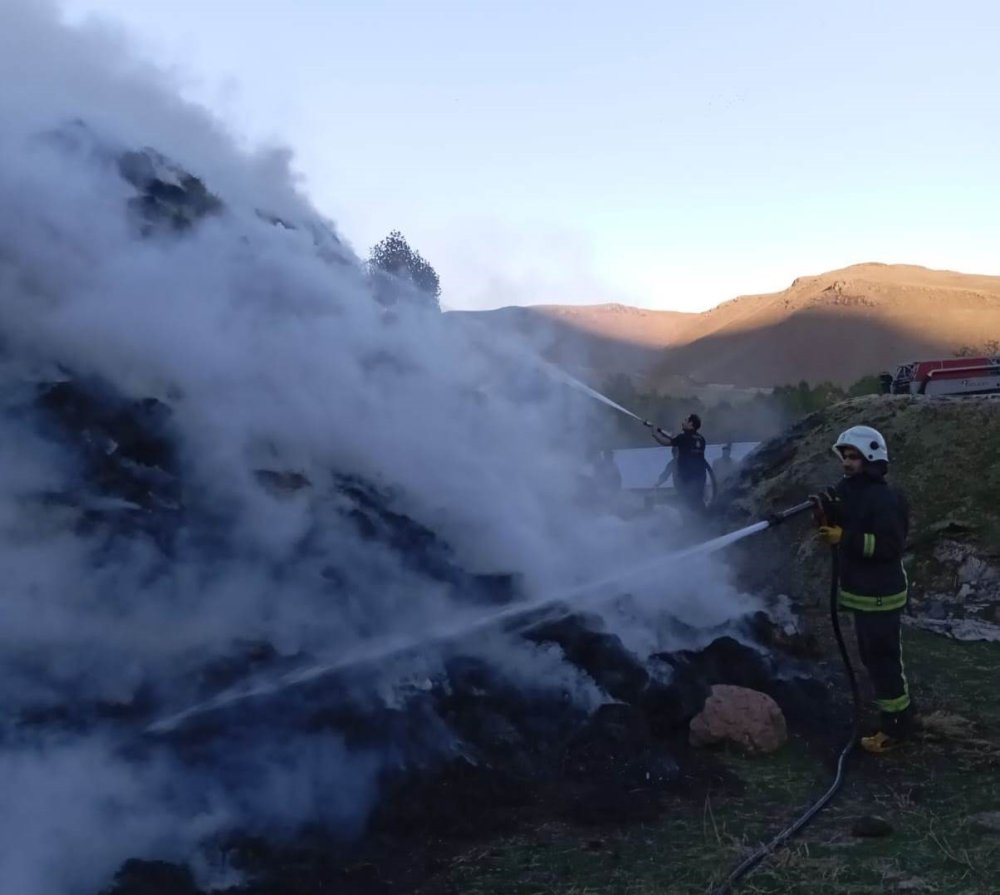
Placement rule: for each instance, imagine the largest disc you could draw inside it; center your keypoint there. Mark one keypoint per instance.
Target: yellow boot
(879, 743)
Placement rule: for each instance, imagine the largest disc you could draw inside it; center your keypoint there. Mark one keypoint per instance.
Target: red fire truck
(954, 376)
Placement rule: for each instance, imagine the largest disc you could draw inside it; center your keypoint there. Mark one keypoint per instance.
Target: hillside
(837, 326)
(591, 340)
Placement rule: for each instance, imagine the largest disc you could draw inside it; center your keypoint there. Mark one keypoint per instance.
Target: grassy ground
(929, 792)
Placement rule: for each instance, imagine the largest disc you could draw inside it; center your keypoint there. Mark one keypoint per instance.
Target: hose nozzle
(778, 518)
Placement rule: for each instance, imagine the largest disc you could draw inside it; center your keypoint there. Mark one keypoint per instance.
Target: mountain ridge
(838, 325)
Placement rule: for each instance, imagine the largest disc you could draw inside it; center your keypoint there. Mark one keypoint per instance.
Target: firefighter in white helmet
(867, 521)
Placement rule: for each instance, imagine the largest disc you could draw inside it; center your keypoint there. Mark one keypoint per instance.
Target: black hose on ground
(753, 860)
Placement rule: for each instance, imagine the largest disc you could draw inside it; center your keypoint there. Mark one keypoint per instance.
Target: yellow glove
(831, 534)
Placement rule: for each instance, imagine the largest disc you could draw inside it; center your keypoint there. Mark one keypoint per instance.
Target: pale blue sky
(669, 155)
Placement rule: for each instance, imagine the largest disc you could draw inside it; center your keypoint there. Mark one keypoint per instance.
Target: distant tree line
(747, 419)
(989, 348)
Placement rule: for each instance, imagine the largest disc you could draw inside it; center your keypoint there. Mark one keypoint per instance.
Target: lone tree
(394, 256)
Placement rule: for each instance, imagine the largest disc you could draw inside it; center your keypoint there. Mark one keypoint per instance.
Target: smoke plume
(332, 476)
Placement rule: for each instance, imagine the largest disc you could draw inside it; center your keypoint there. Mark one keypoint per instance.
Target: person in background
(668, 470)
(725, 466)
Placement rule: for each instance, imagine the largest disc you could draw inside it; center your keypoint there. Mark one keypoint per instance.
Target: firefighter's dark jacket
(875, 518)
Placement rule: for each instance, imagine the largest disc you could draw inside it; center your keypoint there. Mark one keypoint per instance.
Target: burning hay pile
(459, 747)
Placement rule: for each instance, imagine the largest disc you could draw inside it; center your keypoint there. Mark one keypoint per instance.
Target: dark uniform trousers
(691, 491)
(881, 652)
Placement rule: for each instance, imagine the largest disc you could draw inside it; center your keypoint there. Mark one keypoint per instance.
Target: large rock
(748, 718)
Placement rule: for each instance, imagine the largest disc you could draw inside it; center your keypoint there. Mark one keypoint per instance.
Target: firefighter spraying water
(867, 521)
(690, 470)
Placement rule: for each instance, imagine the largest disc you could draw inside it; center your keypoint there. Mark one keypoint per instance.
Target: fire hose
(753, 860)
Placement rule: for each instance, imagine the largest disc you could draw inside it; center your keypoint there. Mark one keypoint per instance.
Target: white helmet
(866, 440)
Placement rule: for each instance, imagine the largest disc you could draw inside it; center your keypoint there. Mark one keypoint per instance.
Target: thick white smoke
(268, 348)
